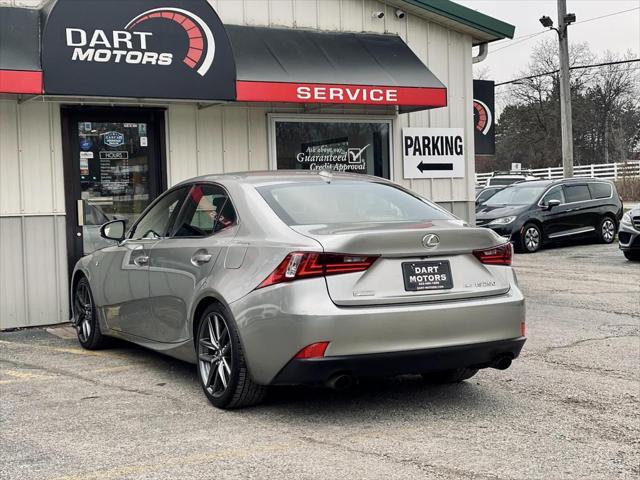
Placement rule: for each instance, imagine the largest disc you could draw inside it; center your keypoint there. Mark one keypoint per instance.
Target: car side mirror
(553, 203)
(113, 230)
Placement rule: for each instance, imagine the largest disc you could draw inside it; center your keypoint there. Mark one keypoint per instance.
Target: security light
(378, 14)
(400, 14)
(569, 18)
(546, 21)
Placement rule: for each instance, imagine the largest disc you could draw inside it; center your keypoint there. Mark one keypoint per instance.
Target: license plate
(420, 276)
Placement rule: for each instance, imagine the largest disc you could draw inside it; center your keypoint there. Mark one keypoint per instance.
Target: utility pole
(564, 20)
(565, 90)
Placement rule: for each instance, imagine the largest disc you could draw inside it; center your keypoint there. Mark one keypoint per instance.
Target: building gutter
(467, 16)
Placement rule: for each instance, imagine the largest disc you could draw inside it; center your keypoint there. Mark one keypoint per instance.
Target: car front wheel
(222, 370)
(85, 317)
(633, 256)
(531, 238)
(607, 230)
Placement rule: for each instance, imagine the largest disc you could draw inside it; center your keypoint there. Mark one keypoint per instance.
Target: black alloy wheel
(606, 230)
(530, 239)
(85, 317)
(222, 370)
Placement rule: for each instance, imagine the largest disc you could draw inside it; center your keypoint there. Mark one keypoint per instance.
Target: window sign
(342, 146)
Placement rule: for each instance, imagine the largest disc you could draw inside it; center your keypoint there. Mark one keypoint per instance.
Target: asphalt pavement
(567, 408)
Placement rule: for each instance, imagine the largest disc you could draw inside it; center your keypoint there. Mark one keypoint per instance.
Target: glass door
(113, 170)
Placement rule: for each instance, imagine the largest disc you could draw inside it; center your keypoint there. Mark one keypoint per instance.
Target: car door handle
(141, 260)
(200, 258)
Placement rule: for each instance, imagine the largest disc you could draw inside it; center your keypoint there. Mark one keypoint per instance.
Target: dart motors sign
(137, 48)
(433, 152)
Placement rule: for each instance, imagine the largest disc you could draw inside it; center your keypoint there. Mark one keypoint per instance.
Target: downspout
(482, 54)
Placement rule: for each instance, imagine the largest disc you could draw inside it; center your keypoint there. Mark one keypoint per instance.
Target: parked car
(629, 234)
(534, 213)
(486, 193)
(508, 178)
(281, 278)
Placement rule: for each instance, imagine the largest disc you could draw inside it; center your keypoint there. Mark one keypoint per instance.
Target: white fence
(597, 170)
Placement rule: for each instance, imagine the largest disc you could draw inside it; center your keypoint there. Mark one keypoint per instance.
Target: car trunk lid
(405, 258)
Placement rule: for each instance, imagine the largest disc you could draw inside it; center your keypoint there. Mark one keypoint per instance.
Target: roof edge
(467, 16)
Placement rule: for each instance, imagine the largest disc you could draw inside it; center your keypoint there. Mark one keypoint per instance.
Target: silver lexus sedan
(280, 278)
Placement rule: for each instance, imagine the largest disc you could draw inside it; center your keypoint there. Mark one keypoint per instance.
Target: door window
(207, 210)
(577, 193)
(114, 167)
(354, 146)
(555, 193)
(156, 222)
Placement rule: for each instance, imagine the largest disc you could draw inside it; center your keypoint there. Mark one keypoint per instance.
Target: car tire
(450, 376)
(222, 370)
(85, 317)
(530, 239)
(606, 230)
(633, 256)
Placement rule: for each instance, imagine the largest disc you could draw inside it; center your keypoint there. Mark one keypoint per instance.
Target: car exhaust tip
(340, 381)
(503, 362)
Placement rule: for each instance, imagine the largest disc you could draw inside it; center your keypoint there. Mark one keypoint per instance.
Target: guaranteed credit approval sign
(433, 152)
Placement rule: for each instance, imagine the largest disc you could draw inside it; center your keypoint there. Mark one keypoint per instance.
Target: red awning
(302, 66)
(20, 70)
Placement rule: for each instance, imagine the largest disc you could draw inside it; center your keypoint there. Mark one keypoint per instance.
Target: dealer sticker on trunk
(433, 275)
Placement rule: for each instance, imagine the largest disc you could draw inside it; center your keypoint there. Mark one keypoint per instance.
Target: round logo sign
(430, 241)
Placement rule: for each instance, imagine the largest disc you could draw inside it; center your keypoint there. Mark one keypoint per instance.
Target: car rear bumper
(275, 323)
(320, 370)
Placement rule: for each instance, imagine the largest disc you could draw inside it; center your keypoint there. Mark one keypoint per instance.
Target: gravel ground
(568, 408)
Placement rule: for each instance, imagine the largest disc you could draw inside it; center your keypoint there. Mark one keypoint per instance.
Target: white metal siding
(33, 257)
(446, 52)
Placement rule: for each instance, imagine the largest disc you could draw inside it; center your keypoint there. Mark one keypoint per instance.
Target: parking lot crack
(66, 373)
(422, 466)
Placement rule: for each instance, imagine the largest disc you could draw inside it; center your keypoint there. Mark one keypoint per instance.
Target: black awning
(302, 66)
(20, 70)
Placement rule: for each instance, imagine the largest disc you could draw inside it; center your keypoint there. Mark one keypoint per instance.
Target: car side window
(600, 190)
(207, 210)
(555, 193)
(156, 222)
(576, 193)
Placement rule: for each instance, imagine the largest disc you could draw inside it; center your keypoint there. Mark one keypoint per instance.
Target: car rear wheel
(85, 317)
(633, 256)
(450, 376)
(531, 239)
(222, 370)
(607, 230)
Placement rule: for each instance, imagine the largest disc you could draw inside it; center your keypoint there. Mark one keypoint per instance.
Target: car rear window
(347, 202)
(600, 190)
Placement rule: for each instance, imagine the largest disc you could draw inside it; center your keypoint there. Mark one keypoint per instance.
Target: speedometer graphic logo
(482, 117)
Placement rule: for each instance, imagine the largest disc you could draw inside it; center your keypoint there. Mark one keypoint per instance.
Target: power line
(576, 67)
(524, 38)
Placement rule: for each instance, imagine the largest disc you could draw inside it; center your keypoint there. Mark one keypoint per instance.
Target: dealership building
(104, 104)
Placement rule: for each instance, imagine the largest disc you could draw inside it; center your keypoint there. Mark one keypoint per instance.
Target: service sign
(433, 152)
(137, 48)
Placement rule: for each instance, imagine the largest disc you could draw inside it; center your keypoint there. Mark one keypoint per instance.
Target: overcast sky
(617, 33)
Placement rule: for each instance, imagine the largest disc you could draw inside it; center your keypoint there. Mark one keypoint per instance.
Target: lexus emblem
(430, 241)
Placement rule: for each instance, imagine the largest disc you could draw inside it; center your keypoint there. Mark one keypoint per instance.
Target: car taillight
(315, 350)
(299, 265)
(500, 255)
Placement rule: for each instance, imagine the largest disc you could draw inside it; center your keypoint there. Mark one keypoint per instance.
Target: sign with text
(433, 152)
(137, 48)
